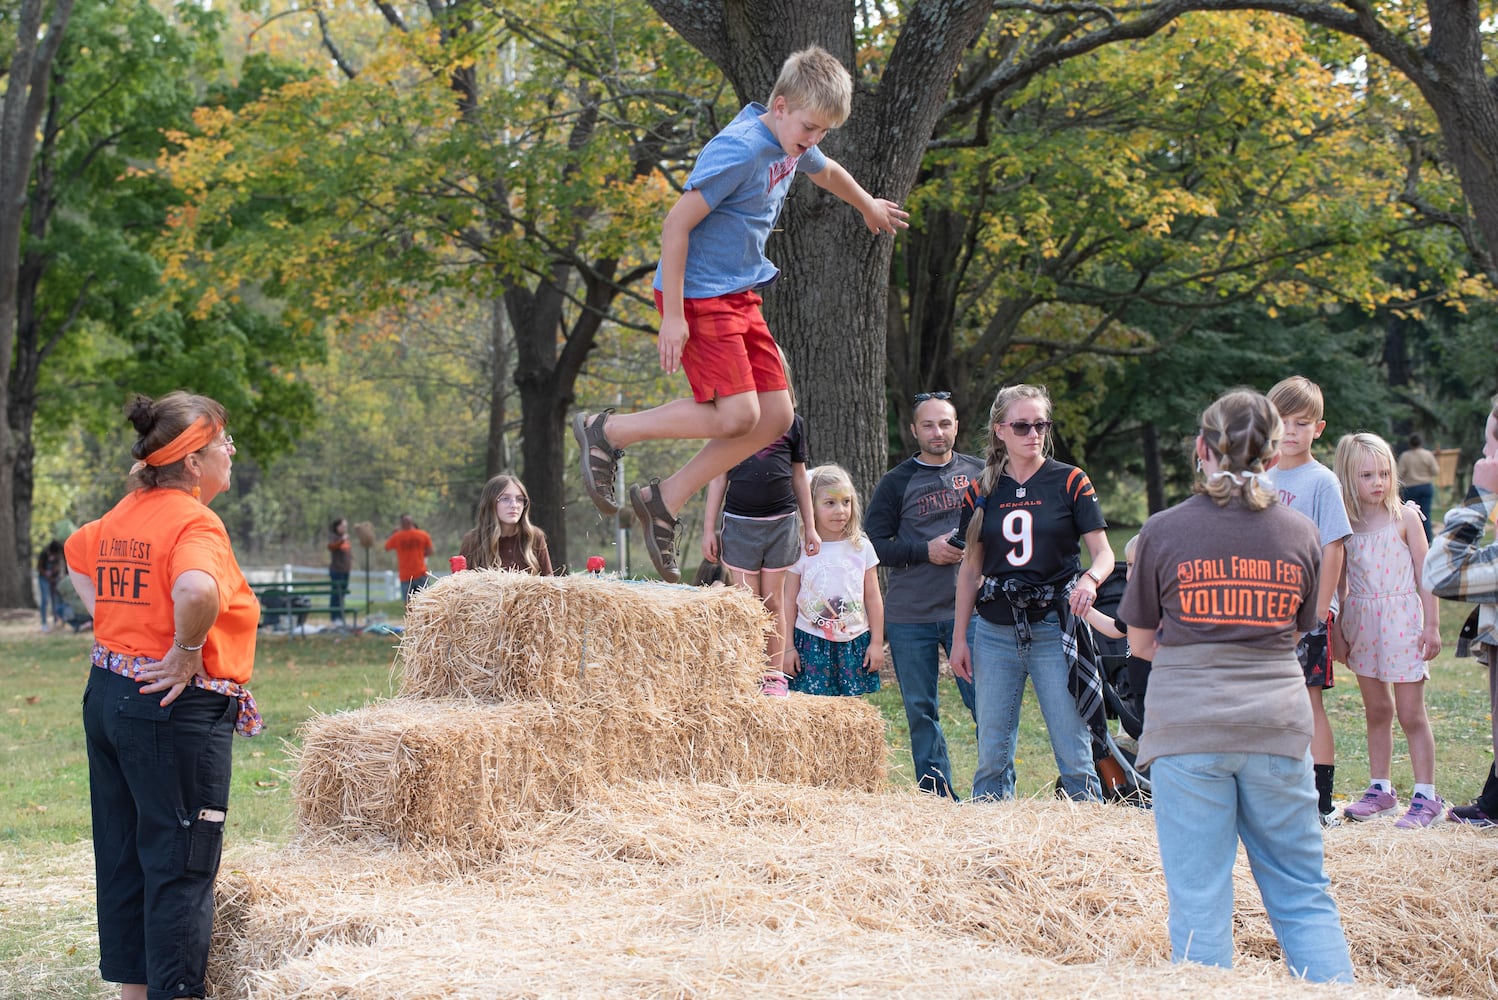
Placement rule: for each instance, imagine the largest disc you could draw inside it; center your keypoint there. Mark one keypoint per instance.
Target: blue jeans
(1424, 495)
(338, 582)
(999, 672)
(912, 648)
(1204, 803)
(47, 596)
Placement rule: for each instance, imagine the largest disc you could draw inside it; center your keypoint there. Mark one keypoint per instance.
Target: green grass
(44, 785)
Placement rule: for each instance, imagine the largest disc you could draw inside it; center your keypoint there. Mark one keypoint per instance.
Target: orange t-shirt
(411, 547)
(135, 553)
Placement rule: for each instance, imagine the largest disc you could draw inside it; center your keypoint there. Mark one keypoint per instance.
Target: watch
(1094, 577)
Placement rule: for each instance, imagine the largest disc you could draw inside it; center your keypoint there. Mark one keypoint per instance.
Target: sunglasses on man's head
(921, 397)
(1022, 428)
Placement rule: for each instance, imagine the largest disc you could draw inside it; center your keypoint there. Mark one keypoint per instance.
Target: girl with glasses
(505, 537)
(1022, 575)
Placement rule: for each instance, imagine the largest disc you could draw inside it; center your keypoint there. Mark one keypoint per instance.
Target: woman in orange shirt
(174, 644)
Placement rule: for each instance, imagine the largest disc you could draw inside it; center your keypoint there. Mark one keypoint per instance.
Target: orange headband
(198, 433)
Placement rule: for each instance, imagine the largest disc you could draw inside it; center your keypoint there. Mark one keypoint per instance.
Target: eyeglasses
(921, 397)
(513, 501)
(1022, 428)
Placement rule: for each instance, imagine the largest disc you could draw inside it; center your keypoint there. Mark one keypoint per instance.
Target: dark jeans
(913, 650)
(1424, 495)
(335, 599)
(159, 788)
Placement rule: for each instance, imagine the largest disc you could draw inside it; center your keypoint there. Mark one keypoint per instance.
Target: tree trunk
(496, 450)
(1154, 467)
(25, 96)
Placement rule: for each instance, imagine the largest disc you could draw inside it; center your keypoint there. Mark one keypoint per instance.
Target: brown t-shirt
(1204, 573)
(510, 556)
(1229, 589)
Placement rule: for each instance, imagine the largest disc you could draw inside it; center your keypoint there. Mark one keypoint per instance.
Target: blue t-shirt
(744, 176)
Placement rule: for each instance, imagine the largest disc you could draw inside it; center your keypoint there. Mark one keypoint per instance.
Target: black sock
(1324, 774)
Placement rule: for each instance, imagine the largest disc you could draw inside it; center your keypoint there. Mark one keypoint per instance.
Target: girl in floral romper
(1388, 630)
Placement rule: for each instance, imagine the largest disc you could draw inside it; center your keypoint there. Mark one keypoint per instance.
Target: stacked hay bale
(523, 694)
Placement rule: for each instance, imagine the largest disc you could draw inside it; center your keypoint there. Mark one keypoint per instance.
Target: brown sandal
(600, 461)
(661, 530)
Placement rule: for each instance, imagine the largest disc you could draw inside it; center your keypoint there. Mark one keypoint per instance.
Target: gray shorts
(750, 544)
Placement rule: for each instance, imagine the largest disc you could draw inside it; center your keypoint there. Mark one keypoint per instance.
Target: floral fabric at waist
(246, 723)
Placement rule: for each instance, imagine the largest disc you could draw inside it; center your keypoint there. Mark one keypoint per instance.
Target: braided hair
(1242, 430)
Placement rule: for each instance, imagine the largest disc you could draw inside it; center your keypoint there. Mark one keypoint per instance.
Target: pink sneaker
(775, 685)
(1422, 813)
(1374, 802)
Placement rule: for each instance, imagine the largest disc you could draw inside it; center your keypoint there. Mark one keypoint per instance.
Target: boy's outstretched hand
(884, 216)
(672, 340)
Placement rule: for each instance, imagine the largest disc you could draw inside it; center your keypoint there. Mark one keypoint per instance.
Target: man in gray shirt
(910, 520)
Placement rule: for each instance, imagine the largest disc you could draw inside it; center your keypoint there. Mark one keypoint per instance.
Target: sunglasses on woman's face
(1022, 428)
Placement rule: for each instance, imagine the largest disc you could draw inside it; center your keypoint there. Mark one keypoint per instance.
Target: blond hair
(834, 479)
(1296, 395)
(995, 453)
(1242, 430)
(813, 80)
(1352, 451)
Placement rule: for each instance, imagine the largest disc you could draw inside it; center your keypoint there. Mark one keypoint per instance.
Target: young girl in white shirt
(834, 643)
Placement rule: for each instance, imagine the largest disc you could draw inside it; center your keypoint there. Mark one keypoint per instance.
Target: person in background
(1223, 584)
(1418, 471)
(765, 504)
(1310, 488)
(1021, 575)
(504, 537)
(834, 642)
(912, 520)
(340, 566)
(411, 546)
(1459, 567)
(49, 566)
(174, 646)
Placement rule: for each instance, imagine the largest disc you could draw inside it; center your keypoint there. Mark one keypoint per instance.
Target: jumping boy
(1307, 486)
(706, 288)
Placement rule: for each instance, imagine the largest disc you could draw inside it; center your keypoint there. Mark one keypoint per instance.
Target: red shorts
(729, 349)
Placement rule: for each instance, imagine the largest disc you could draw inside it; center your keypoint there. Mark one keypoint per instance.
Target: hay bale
(676, 889)
(500, 636)
(467, 774)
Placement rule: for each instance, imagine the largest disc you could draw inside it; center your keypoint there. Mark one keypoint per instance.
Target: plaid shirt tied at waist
(1022, 597)
(246, 723)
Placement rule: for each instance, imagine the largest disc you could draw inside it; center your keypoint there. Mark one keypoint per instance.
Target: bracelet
(191, 649)
(1093, 577)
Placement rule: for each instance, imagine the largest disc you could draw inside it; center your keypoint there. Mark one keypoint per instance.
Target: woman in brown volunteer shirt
(1221, 587)
(174, 633)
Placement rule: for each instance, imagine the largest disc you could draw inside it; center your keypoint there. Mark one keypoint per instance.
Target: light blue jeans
(999, 672)
(1203, 804)
(913, 648)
